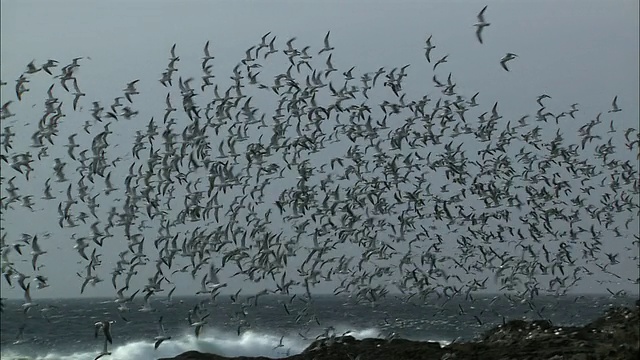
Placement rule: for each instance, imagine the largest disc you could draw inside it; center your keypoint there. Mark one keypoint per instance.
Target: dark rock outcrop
(616, 335)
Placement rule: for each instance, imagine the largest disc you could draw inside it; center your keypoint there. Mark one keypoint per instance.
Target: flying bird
(614, 105)
(162, 335)
(428, 47)
(326, 47)
(105, 326)
(506, 58)
(443, 60)
(481, 24)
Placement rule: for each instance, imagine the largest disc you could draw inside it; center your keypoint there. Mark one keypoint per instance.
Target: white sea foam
(250, 343)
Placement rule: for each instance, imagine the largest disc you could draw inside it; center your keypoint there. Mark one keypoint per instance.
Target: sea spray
(215, 341)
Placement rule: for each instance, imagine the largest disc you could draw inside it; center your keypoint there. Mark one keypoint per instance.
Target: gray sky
(582, 52)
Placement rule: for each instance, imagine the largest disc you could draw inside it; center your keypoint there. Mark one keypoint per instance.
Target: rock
(616, 335)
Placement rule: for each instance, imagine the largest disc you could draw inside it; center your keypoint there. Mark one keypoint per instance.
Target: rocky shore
(616, 335)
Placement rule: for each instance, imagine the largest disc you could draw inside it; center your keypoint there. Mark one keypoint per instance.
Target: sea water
(66, 332)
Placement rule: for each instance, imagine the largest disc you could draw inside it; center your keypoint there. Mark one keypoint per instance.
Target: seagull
(327, 47)
(162, 335)
(105, 325)
(472, 102)
(131, 90)
(42, 281)
(443, 60)
(614, 105)
(481, 24)
(31, 68)
(207, 55)
(147, 306)
(198, 324)
(28, 304)
(173, 57)
(280, 344)
(213, 275)
(428, 48)
(508, 57)
(20, 88)
(50, 63)
(121, 299)
(77, 95)
(36, 251)
(21, 278)
(5, 113)
(542, 97)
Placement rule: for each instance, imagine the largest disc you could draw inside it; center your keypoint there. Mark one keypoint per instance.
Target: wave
(249, 343)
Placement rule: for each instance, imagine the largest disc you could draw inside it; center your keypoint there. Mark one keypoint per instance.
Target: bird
(36, 251)
(28, 304)
(49, 64)
(506, 58)
(162, 335)
(197, 324)
(214, 282)
(31, 68)
(131, 90)
(105, 326)
(541, 97)
(614, 105)
(428, 48)
(326, 47)
(280, 344)
(207, 55)
(441, 61)
(481, 24)
(4, 112)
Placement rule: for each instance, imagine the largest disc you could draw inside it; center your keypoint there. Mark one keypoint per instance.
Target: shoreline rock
(615, 335)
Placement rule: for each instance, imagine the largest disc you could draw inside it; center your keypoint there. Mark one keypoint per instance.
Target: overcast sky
(582, 52)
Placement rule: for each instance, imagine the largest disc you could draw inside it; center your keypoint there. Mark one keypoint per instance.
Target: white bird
(162, 335)
(198, 324)
(36, 251)
(147, 306)
(507, 57)
(207, 55)
(327, 47)
(472, 102)
(280, 344)
(21, 278)
(214, 282)
(28, 304)
(105, 326)
(428, 48)
(50, 63)
(131, 90)
(443, 60)
(614, 105)
(481, 24)
(4, 112)
(42, 281)
(121, 299)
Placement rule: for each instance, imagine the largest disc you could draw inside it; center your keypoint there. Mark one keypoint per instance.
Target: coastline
(614, 335)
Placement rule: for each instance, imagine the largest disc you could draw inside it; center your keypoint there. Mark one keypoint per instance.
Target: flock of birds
(416, 196)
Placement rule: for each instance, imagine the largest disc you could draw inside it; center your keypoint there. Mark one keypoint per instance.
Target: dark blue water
(68, 330)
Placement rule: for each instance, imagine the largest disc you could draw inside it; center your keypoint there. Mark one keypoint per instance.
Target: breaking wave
(250, 343)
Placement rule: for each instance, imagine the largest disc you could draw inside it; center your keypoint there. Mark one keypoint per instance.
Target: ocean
(69, 332)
